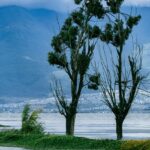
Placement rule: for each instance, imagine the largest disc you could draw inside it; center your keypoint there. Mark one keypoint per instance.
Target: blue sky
(61, 5)
(57, 5)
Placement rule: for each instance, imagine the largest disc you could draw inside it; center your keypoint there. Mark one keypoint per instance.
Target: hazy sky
(61, 5)
(138, 2)
(57, 5)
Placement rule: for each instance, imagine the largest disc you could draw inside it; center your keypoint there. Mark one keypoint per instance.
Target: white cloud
(137, 2)
(28, 58)
(59, 74)
(146, 56)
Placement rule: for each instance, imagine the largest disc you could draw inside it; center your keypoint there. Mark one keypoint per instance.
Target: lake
(11, 148)
(91, 125)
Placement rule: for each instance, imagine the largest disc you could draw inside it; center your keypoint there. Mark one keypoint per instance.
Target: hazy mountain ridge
(24, 43)
(25, 36)
(88, 103)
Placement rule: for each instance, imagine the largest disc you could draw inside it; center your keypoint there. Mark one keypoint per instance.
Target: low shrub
(30, 122)
(136, 145)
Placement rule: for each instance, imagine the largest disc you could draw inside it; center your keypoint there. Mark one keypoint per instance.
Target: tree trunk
(119, 130)
(70, 124)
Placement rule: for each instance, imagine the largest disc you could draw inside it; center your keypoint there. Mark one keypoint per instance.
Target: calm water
(10, 148)
(91, 125)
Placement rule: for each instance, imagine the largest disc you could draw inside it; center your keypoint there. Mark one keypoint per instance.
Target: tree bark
(70, 125)
(119, 130)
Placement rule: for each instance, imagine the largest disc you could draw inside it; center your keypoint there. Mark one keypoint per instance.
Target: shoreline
(94, 126)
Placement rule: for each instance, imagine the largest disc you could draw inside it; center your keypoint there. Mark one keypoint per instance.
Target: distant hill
(25, 36)
(24, 43)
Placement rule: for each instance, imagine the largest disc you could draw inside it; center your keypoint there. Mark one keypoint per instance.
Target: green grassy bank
(48, 142)
(51, 142)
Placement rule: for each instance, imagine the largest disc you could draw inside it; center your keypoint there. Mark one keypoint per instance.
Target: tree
(120, 80)
(72, 52)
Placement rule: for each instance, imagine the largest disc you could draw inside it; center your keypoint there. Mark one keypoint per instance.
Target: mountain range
(25, 36)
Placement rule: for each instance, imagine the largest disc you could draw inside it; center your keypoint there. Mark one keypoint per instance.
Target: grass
(52, 142)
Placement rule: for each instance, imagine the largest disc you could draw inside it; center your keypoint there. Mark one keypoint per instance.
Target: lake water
(11, 148)
(91, 125)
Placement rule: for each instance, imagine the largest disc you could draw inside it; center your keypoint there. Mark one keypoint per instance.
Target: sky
(61, 5)
(138, 2)
(56, 5)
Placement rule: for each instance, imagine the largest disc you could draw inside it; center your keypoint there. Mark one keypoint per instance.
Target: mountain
(89, 103)
(25, 36)
(24, 43)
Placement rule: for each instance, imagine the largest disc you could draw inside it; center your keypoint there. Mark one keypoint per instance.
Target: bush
(136, 145)
(30, 122)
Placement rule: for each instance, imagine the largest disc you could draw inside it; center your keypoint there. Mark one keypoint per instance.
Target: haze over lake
(91, 125)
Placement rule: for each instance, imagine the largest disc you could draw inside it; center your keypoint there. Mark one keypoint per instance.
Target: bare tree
(63, 105)
(120, 76)
(119, 95)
